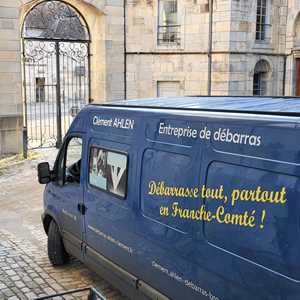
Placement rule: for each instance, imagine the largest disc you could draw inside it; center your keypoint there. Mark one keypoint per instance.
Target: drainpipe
(209, 52)
(125, 50)
(284, 75)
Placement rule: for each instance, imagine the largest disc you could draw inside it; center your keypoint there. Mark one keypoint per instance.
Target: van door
(69, 191)
(107, 203)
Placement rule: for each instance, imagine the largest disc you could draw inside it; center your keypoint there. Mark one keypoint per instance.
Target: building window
(168, 88)
(261, 21)
(260, 78)
(108, 171)
(259, 85)
(168, 27)
(297, 32)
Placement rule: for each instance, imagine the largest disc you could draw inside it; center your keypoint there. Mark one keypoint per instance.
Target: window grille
(259, 85)
(260, 78)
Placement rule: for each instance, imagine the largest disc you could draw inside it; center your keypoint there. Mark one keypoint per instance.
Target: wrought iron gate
(56, 71)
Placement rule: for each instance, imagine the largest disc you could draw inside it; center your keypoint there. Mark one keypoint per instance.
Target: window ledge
(169, 48)
(263, 45)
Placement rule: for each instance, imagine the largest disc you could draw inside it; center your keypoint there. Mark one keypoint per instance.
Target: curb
(15, 162)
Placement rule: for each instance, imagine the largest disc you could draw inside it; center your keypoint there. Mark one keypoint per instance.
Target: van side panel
(272, 240)
(211, 209)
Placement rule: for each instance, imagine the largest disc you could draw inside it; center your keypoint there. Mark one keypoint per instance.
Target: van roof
(269, 105)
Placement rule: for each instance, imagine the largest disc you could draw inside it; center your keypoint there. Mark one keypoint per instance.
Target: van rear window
(108, 171)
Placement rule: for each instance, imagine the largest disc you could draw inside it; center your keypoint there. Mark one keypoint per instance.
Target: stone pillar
(114, 49)
(10, 78)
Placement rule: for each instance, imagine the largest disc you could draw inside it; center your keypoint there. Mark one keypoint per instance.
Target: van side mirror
(44, 173)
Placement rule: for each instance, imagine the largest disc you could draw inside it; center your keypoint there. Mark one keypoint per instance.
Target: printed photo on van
(108, 171)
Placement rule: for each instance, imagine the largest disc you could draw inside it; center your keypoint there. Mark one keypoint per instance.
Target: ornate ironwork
(56, 74)
(36, 51)
(169, 35)
(78, 51)
(55, 20)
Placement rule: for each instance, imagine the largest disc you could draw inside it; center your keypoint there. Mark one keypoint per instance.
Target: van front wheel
(56, 250)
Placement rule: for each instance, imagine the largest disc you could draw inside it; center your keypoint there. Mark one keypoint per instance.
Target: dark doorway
(40, 89)
(297, 90)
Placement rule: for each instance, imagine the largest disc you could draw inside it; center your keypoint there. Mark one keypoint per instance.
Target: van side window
(108, 171)
(73, 160)
(70, 161)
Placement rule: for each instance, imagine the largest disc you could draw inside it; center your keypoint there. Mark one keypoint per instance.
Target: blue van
(181, 198)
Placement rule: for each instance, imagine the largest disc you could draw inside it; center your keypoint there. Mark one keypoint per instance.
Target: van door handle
(81, 208)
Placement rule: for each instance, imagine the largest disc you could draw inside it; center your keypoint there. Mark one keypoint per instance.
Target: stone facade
(243, 40)
(10, 78)
(129, 61)
(235, 51)
(105, 20)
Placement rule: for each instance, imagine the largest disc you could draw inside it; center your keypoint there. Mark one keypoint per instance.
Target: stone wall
(236, 51)
(246, 51)
(105, 20)
(114, 48)
(145, 71)
(10, 78)
(149, 63)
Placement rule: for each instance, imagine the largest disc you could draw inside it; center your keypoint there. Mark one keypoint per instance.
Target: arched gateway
(56, 70)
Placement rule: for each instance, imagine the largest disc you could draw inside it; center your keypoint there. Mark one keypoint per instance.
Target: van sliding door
(108, 205)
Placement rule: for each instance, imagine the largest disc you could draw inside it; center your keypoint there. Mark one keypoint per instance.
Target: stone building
(249, 47)
(149, 48)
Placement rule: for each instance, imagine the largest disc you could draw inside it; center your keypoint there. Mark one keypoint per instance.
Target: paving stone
(19, 284)
(30, 295)
(15, 278)
(25, 290)
(21, 296)
(8, 292)
(39, 280)
(10, 273)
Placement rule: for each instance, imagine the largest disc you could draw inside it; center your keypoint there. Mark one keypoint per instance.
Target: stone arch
(55, 20)
(262, 78)
(93, 13)
(98, 4)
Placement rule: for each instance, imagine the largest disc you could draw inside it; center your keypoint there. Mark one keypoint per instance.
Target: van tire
(56, 250)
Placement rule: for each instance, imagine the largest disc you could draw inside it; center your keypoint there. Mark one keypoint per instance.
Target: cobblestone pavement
(25, 271)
